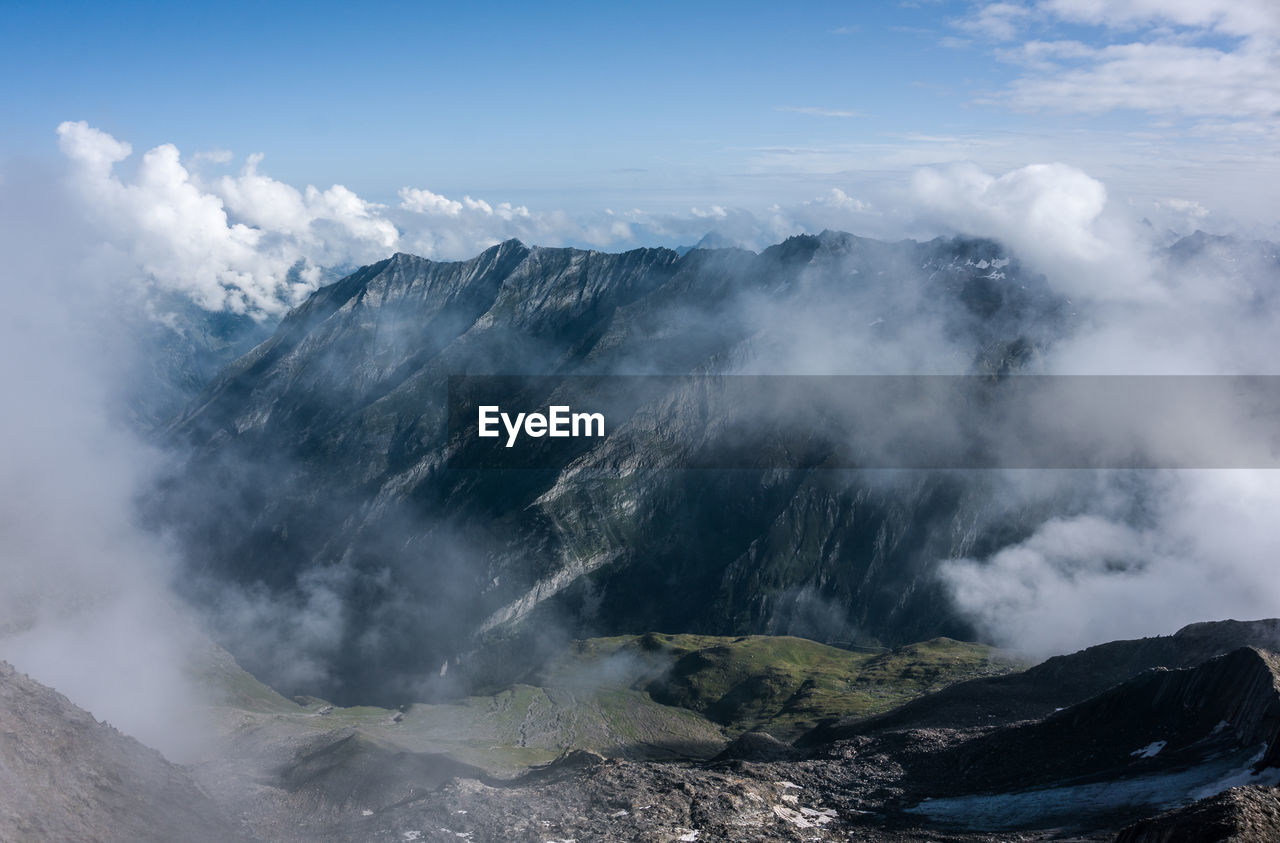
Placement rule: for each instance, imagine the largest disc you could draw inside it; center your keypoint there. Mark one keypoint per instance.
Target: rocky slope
(65, 776)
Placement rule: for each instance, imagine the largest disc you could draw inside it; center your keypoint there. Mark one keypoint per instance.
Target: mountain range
(321, 458)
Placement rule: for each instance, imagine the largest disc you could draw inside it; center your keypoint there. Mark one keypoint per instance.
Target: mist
(86, 606)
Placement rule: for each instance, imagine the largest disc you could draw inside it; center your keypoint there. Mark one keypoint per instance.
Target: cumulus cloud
(1146, 553)
(1054, 215)
(176, 234)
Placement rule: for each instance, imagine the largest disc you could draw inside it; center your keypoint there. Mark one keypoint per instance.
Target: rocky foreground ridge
(1181, 747)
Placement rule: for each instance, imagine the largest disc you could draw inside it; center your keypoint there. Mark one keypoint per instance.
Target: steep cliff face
(323, 453)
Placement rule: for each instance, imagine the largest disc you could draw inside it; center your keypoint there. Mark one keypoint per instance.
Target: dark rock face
(322, 455)
(1158, 720)
(65, 776)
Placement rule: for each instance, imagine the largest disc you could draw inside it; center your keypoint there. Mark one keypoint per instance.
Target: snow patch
(1151, 750)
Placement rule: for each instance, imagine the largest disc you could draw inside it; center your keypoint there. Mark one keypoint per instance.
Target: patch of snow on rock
(1151, 750)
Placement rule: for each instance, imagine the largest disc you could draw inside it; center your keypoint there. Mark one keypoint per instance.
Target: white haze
(84, 605)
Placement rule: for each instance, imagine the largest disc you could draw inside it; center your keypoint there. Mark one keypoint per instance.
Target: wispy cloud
(1155, 77)
(816, 111)
(996, 21)
(1192, 59)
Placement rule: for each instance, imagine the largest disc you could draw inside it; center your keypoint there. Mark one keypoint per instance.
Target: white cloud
(214, 156)
(176, 233)
(837, 198)
(996, 21)
(1051, 214)
(425, 202)
(1231, 17)
(1189, 58)
(1204, 554)
(231, 243)
(1155, 77)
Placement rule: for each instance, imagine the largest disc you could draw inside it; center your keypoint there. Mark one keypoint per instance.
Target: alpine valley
(617, 646)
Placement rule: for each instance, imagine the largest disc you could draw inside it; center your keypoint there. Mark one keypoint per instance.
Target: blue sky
(225, 141)
(570, 104)
(532, 100)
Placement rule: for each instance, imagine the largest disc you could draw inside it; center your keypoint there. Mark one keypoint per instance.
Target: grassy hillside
(640, 696)
(778, 684)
